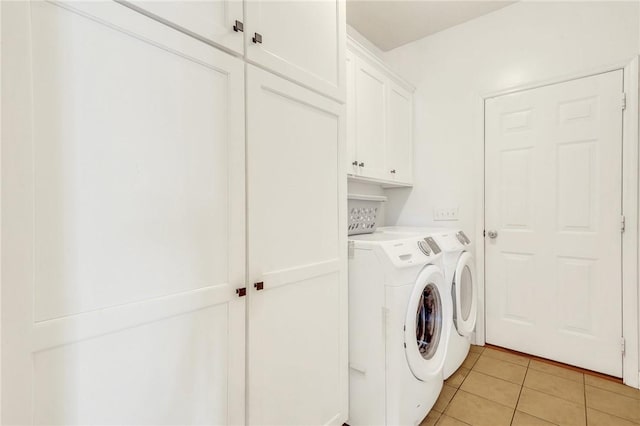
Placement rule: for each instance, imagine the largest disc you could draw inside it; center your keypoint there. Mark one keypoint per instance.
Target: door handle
(492, 234)
(257, 38)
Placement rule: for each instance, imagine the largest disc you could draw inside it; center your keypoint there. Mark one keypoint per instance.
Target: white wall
(523, 44)
(520, 44)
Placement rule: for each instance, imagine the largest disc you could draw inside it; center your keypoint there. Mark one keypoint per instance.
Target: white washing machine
(459, 270)
(400, 314)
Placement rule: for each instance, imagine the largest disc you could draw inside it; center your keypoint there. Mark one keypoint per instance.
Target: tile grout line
(584, 392)
(520, 393)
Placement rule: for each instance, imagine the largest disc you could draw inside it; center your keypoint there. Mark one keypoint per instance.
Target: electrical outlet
(445, 213)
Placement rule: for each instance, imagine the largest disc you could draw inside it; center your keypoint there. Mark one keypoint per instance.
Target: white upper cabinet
(303, 41)
(213, 21)
(379, 121)
(399, 134)
(370, 114)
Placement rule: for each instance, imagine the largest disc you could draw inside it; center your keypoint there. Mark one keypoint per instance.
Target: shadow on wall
(397, 197)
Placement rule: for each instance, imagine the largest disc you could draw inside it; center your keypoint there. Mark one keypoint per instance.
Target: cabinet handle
(393, 171)
(355, 163)
(241, 292)
(238, 27)
(259, 286)
(361, 165)
(257, 38)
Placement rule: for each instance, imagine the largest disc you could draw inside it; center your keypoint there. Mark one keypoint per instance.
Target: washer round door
(428, 324)
(465, 295)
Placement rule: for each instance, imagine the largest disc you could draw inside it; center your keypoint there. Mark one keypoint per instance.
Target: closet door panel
(123, 185)
(297, 345)
(399, 134)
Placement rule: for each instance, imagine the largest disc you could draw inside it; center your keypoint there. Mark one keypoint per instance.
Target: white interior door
(212, 20)
(553, 195)
(304, 41)
(122, 220)
(297, 323)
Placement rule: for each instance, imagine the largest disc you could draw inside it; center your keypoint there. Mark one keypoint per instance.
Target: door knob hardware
(259, 285)
(241, 292)
(393, 171)
(257, 38)
(492, 234)
(355, 163)
(238, 27)
(361, 165)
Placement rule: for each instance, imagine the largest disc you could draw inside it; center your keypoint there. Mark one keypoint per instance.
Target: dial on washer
(424, 247)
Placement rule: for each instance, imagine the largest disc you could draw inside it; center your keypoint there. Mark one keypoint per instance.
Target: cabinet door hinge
(484, 233)
(624, 101)
(623, 223)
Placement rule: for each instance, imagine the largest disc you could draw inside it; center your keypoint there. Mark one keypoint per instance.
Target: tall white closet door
(122, 221)
(297, 323)
(301, 40)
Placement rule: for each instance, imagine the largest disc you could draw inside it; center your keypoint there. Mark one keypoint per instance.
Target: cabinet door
(399, 134)
(297, 322)
(212, 20)
(370, 120)
(122, 220)
(351, 157)
(301, 40)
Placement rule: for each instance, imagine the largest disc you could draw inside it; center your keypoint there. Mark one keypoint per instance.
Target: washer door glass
(429, 321)
(427, 324)
(464, 292)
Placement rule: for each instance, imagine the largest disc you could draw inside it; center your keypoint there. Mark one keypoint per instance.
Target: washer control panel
(411, 250)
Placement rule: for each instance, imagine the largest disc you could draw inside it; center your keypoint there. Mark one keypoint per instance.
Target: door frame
(630, 198)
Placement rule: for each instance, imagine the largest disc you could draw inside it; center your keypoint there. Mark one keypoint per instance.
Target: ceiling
(392, 23)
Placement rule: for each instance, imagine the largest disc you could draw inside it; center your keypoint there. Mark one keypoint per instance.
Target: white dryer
(459, 270)
(400, 314)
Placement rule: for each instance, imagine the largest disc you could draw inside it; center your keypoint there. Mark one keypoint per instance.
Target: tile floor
(495, 388)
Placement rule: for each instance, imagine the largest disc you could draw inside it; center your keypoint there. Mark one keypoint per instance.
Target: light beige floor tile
(501, 369)
(549, 408)
(443, 400)
(489, 387)
(478, 411)
(612, 386)
(450, 421)
(431, 419)
(506, 356)
(555, 385)
(613, 403)
(476, 349)
(598, 418)
(458, 377)
(565, 373)
(524, 419)
(470, 360)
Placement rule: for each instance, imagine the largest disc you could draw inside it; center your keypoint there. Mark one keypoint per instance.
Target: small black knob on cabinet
(361, 165)
(355, 163)
(257, 38)
(238, 27)
(393, 171)
(259, 286)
